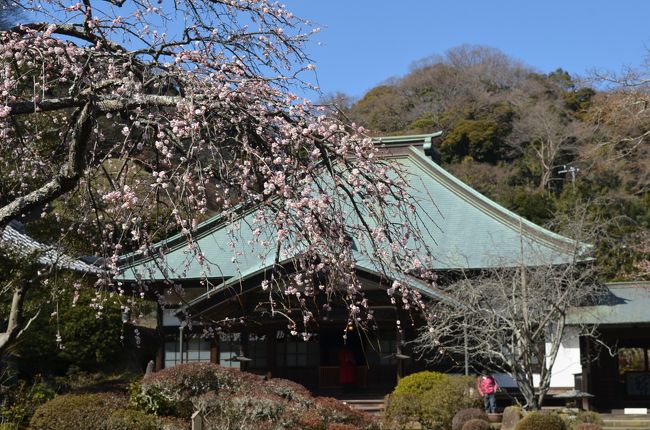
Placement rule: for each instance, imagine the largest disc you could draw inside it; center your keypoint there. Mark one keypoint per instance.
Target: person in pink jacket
(487, 387)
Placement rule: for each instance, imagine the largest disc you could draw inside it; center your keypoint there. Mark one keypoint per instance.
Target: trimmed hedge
(129, 419)
(541, 421)
(431, 399)
(98, 411)
(231, 399)
(420, 382)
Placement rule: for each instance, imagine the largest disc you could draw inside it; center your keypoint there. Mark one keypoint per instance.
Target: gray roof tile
(14, 238)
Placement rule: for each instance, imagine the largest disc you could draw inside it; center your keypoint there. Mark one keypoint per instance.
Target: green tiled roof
(468, 230)
(214, 242)
(622, 303)
(472, 231)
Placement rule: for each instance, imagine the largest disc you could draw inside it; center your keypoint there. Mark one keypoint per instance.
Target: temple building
(471, 233)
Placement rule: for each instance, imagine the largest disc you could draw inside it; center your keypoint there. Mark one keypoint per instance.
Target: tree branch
(65, 181)
(100, 103)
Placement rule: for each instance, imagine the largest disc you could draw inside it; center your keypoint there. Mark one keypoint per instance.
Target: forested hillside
(542, 145)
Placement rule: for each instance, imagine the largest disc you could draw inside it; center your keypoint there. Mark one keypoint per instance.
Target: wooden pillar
(586, 361)
(160, 356)
(243, 348)
(160, 353)
(398, 353)
(214, 350)
(180, 341)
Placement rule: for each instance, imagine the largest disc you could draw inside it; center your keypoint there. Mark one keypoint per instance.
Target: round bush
(476, 424)
(435, 399)
(420, 382)
(465, 415)
(68, 411)
(129, 419)
(540, 421)
(169, 392)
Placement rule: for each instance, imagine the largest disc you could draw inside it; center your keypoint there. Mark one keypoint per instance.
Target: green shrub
(402, 409)
(541, 421)
(91, 343)
(151, 399)
(70, 410)
(22, 400)
(476, 424)
(434, 400)
(465, 415)
(129, 419)
(420, 382)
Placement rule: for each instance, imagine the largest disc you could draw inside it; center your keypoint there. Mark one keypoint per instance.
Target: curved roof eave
(410, 281)
(508, 218)
(177, 240)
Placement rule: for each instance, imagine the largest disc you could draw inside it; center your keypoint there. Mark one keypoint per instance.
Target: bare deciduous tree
(512, 320)
(547, 134)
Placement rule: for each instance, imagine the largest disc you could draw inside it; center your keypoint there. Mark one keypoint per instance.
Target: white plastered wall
(567, 364)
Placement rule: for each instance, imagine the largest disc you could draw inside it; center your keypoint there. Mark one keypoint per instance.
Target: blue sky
(363, 42)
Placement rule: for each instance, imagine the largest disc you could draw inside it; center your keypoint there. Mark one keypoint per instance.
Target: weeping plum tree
(124, 120)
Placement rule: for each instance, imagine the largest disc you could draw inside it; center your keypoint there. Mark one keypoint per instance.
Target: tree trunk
(15, 324)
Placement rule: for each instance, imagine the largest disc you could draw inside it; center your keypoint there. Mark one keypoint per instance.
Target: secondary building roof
(15, 238)
(622, 303)
(467, 230)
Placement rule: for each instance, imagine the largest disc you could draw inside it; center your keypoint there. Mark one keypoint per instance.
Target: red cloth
(347, 367)
(486, 385)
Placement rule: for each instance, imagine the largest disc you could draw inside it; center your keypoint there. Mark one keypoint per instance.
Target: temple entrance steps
(626, 422)
(369, 400)
(374, 406)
